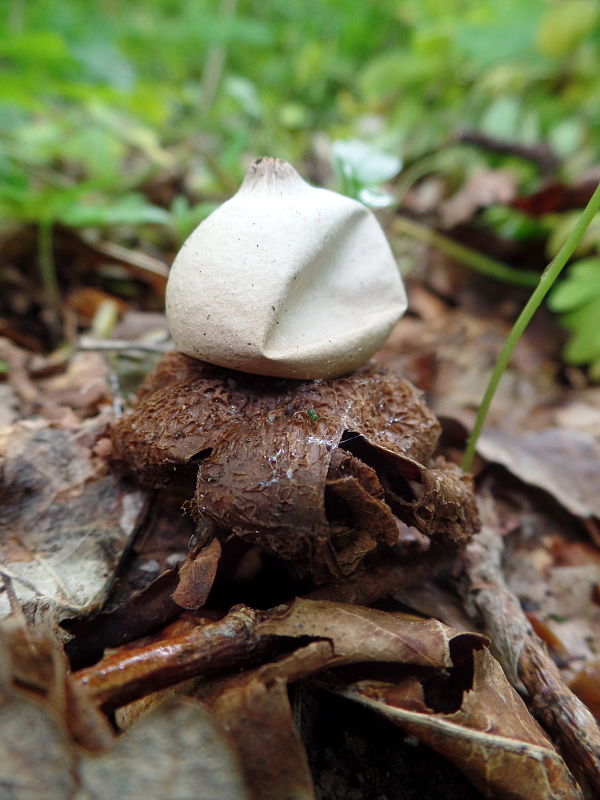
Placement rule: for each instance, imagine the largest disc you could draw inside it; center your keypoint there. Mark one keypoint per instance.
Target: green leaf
(563, 225)
(185, 218)
(367, 165)
(132, 209)
(584, 344)
(564, 25)
(581, 285)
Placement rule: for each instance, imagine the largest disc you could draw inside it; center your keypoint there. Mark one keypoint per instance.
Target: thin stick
(47, 266)
(132, 258)
(216, 57)
(522, 653)
(540, 154)
(222, 646)
(123, 345)
(546, 281)
(467, 256)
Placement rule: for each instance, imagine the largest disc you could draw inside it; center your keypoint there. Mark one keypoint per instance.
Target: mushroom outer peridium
(285, 280)
(320, 489)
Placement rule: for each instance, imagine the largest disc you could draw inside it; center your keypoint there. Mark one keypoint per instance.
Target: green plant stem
(46, 265)
(413, 173)
(470, 258)
(546, 281)
(216, 57)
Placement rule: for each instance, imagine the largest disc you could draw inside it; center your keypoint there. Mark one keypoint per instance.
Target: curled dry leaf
(140, 613)
(453, 695)
(255, 709)
(367, 634)
(65, 520)
(196, 576)
(318, 472)
(491, 737)
(456, 698)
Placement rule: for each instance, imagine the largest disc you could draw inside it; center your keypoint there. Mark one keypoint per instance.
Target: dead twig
(540, 154)
(131, 258)
(123, 345)
(382, 580)
(217, 648)
(524, 655)
(221, 647)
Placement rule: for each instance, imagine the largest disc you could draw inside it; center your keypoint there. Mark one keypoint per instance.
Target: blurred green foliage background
(100, 98)
(98, 95)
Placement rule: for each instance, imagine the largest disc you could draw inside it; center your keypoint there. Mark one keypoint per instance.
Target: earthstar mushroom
(275, 303)
(320, 490)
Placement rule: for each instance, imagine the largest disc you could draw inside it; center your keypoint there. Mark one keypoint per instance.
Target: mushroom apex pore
(285, 280)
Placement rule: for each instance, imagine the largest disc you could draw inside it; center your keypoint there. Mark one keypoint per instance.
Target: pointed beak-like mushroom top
(285, 280)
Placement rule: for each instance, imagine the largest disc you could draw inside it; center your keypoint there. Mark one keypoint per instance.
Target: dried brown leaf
(65, 520)
(33, 666)
(141, 612)
(37, 760)
(46, 721)
(254, 708)
(367, 634)
(141, 599)
(174, 753)
(556, 196)
(491, 737)
(484, 188)
(586, 685)
(451, 692)
(196, 576)
(82, 387)
(564, 462)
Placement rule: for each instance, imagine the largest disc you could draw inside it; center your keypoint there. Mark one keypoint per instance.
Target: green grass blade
(546, 281)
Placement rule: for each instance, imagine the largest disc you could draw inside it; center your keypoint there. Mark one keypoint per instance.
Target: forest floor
(145, 660)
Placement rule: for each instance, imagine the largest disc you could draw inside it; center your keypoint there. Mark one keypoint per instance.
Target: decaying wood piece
(524, 655)
(208, 649)
(383, 578)
(318, 472)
